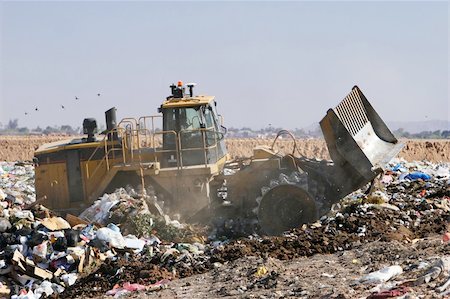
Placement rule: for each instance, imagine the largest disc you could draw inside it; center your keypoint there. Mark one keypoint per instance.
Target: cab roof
(187, 101)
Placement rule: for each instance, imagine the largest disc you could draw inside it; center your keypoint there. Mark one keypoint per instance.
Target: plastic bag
(418, 175)
(98, 212)
(383, 275)
(114, 238)
(40, 250)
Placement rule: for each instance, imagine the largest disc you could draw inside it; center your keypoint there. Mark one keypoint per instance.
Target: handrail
(205, 147)
(104, 143)
(152, 117)
(131, 120)
(96, 149)
(167, 150)
(102, 161)
(285, 132)
(136, 131)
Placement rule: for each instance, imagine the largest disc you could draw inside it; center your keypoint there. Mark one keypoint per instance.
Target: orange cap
(180, 83)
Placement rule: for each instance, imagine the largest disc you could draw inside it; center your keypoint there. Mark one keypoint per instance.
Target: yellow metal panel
(51, 181)
(61, 188)
(263, 152)
(41, 181)
(65, 145)
(97, 172)
(187, 102)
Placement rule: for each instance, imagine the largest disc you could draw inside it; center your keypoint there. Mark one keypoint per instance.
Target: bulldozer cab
(192, 132)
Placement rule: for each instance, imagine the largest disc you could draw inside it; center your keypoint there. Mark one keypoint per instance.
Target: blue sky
(283, 63)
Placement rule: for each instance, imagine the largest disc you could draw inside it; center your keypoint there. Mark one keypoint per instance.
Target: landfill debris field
(21, 148)
(390, 243)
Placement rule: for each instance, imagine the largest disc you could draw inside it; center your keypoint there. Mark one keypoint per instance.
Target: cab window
(178, 119)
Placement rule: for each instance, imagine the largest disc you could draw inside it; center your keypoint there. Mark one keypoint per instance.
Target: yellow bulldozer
(186, 164)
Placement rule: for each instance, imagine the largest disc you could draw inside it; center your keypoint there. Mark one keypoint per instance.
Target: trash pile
(124, 243)
(402, 207)
(43, 255)
(409, 202)
(139, 215)
(18, 179)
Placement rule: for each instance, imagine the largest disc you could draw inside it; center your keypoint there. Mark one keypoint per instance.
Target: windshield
(178, 119)
(209, 118)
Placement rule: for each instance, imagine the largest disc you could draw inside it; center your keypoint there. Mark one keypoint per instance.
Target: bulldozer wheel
(284, 207)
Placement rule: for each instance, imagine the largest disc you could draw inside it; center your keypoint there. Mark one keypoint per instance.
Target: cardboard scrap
(42, 273)
(57, 272)
(74, 220)
(18, 258)
(55, 223)
(81, 264)
(5, 290)
(28, 267)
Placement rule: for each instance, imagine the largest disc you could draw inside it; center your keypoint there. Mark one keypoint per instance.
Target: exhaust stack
(111, 122)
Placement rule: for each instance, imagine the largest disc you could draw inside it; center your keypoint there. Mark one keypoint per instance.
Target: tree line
(13, 128)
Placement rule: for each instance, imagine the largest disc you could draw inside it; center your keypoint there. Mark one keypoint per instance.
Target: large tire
(286, 204)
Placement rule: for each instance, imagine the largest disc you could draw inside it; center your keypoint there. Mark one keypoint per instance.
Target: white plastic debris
(383, 275)
(378, 196)
(40, 250)
(2, 195)
(28, 295)
(25, 214)
(133, 242)
(69, 279)
(440, 266)
(113, 238)
(4, 225)
(98, 212)
(45, 288)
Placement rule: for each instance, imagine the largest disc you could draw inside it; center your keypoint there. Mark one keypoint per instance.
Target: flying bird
(62, 106)
(26, 113)
(36, 109)
(76, 98)
(98, 94)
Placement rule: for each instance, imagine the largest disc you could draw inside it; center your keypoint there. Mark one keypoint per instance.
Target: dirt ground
(335, 275)
(320, 276)
(21, 148)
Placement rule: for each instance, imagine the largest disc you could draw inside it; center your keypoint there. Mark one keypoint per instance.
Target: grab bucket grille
(351, 112)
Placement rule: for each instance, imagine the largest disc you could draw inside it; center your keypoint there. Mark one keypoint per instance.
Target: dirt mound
(21, 148)
(414, 150)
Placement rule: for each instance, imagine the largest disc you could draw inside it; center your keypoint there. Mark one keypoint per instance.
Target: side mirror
(224, 130)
